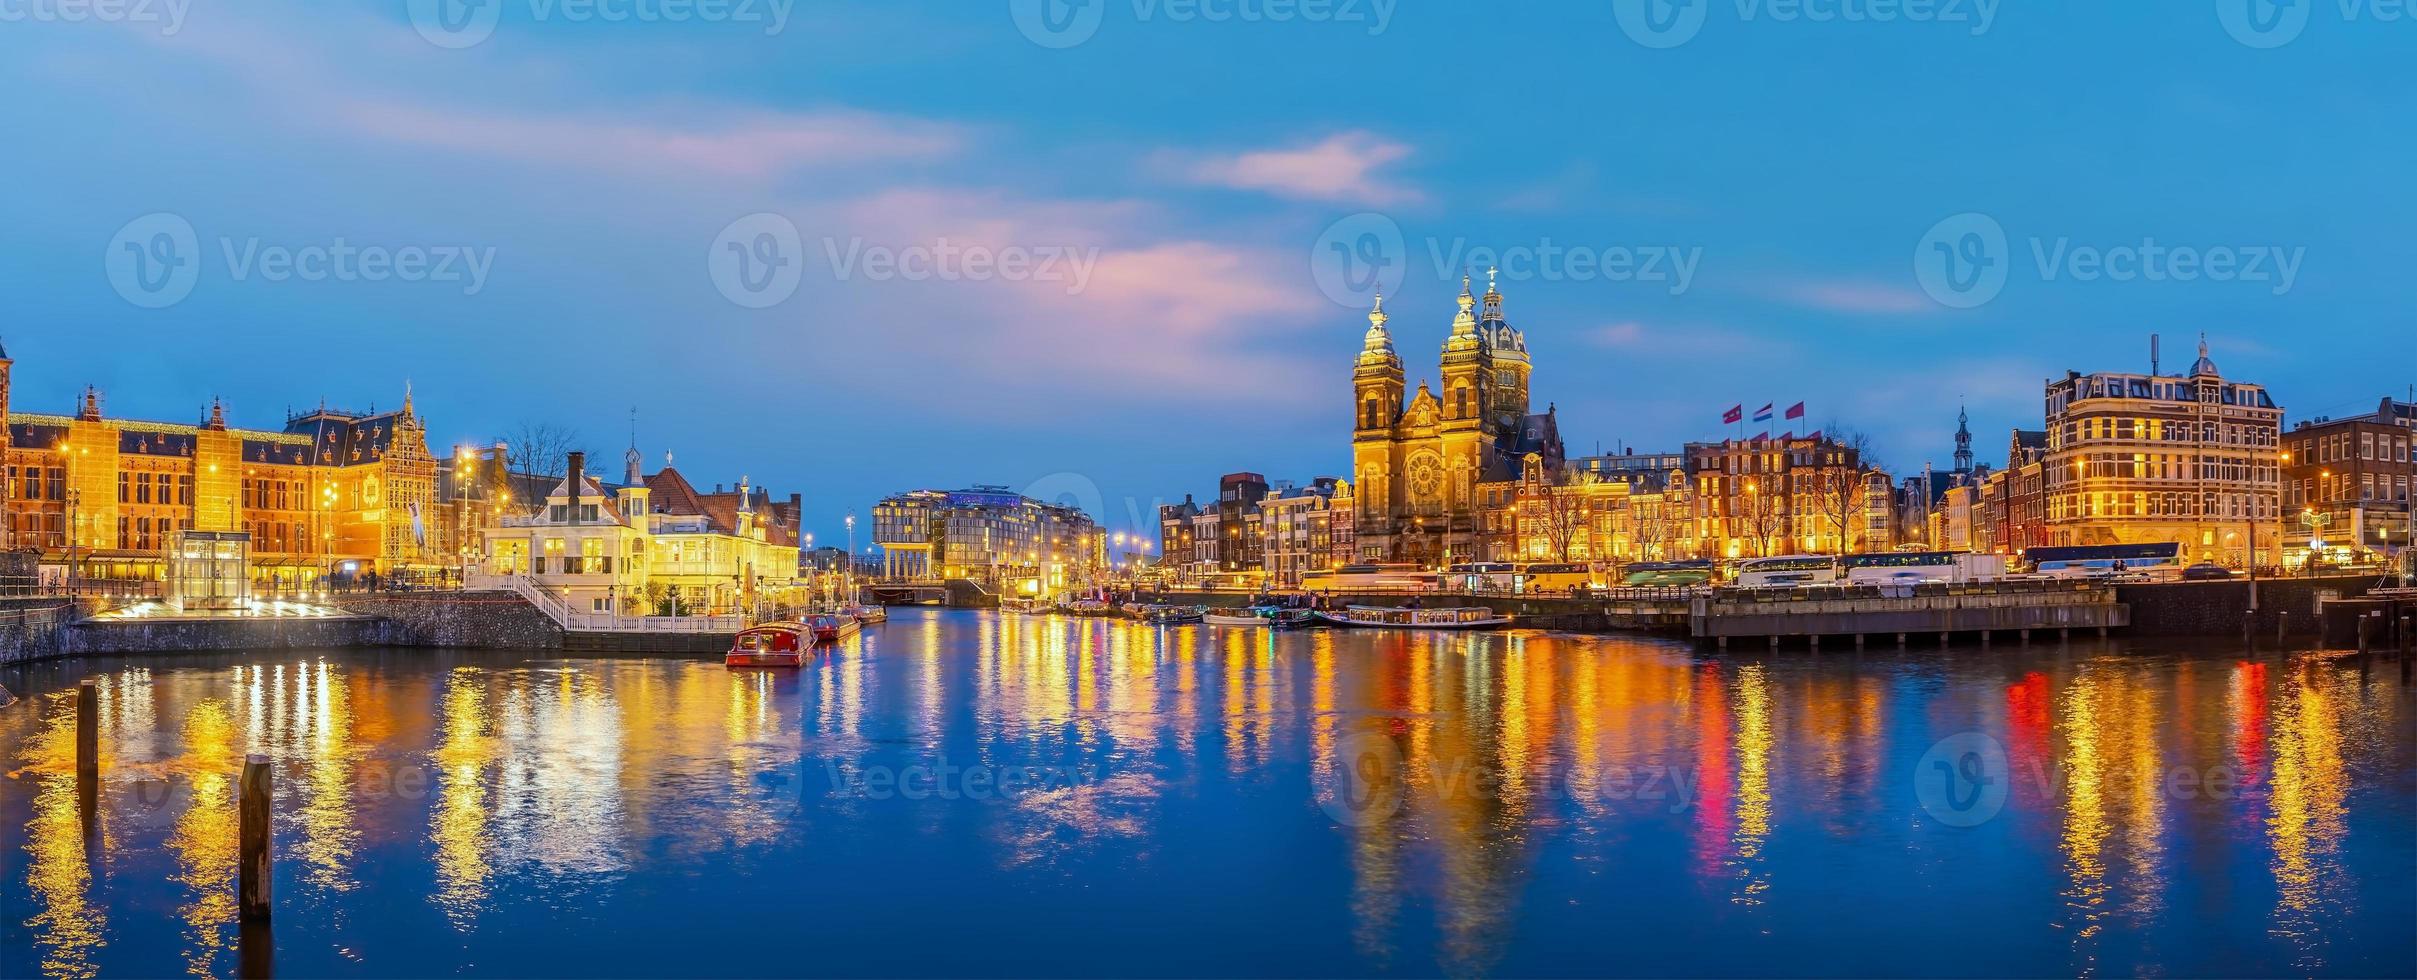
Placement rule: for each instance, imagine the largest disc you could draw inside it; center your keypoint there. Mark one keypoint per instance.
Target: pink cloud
(1858, 297)
(1165, 315)
(1340, 168)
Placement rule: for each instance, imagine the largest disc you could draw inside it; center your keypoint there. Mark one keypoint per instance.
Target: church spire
(1963, 439)
(632, 462)
(1464, 326)
(1493, 295)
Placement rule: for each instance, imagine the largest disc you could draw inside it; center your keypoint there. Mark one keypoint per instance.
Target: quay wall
(35, 628)
(2222, 608)
(1586, 615)
(475, 620)
(136, 636)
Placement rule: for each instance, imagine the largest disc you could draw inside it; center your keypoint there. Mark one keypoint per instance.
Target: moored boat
(1027, 606)
(866, 615)
(833, 627)
(1396, 617)
(770, 645)
(1171, 615)
(1091, 607)
(1228, 617)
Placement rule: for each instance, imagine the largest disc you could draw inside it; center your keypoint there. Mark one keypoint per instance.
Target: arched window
(1460, 401)
(1372, 418)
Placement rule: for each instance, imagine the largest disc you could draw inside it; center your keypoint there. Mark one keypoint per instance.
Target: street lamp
(847, 569)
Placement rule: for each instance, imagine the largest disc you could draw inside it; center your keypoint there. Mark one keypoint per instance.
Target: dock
(1944, 612)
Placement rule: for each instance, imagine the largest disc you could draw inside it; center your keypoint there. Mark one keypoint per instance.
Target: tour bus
(1665, 574)
(1556, 579)
(1373, 578)
(1787, 572)
(1482, 577)
(2130, 561)
(1919, 567)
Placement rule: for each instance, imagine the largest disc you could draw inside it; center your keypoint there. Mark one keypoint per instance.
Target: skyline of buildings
(1463, 475)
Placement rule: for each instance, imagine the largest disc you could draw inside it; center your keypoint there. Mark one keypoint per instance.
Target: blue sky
(1152, 198)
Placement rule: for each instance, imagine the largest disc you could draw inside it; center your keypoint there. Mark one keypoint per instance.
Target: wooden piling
(1900, 639)
(88, 731)
(2282, 628)
(1858, 641)
(253, 837)
(2365, 626)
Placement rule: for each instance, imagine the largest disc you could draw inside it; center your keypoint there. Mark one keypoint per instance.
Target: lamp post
(847, 569)
(2316, 521)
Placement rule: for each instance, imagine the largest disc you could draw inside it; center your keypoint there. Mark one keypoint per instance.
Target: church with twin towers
(1423, 460)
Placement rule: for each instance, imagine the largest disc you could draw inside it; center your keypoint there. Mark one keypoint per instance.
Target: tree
(1553, 507)
(540, 453)
(1837, 494)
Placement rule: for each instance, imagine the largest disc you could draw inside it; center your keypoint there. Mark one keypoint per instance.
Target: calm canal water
(964, 794)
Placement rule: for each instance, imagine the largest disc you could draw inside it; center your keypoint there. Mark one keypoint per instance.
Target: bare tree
(1843, 461)
(1561, 510)
(539, 453)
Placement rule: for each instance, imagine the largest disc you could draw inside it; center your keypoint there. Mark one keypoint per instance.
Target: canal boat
(866, 615)
(770, 645)
(1091, 607)
(1448, 618)
(1245, 617)
(1026, 606)
(833, 627)
(1273, 617)
(1165, 615)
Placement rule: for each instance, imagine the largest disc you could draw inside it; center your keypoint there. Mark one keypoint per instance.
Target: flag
(1816, 436)
(1733, 415)
(1796, 411)
(1763, 414)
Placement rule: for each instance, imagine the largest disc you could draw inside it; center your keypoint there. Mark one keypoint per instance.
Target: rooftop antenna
(2154, 342)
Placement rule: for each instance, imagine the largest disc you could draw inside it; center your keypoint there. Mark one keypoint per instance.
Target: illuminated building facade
(1419, 460)
(655, 548)
(2152, 458)
(1790, 495)
(102, 499)
(1297, 530)
(2347, 484)
(987, 533)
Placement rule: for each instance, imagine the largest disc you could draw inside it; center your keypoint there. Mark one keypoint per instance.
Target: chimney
(578, 480)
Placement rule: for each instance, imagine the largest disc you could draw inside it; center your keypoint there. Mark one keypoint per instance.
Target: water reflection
(1416, 803)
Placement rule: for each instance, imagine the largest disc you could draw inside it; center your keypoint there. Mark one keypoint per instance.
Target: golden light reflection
(1753, 785)
(204, 836)
(66, 924)
(458, 825)
(2306, 816)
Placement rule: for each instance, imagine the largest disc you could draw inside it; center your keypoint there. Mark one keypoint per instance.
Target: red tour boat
(830, 628)
(771, 645)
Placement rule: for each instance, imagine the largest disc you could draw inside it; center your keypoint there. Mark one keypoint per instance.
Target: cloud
(751, 145)
(1167, 315)
(1857, 297)
(1338, 169)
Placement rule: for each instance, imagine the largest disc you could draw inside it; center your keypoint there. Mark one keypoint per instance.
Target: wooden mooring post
(88, 734)
(2282, 628)
(253, 837)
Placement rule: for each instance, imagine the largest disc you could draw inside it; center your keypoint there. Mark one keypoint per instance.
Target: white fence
(580, 621)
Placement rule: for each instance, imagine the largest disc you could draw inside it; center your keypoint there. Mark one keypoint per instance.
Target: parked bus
(2153, 561)
(1920, 567)
(1666, 574)
(1787, 572)
(1482, 577)
(1556, 579)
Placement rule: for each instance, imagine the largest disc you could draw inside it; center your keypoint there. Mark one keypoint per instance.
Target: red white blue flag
(1763, 414)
